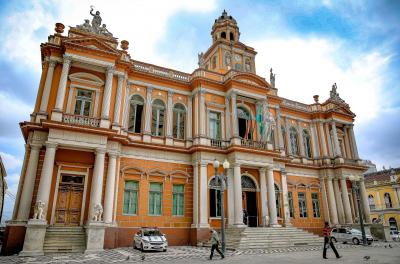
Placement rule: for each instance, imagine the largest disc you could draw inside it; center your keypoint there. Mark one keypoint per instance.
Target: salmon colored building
(114, 144)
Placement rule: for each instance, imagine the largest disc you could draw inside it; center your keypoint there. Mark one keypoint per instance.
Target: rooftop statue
(272, 78)
(95, 26)
(334, 95)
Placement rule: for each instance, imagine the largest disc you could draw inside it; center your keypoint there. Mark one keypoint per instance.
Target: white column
(46, 176)
(263, 196)
(328, 136)
(288, 143)
(235, 124)
(332, 203)
(195, 194)
(353, 213)
(396, 198)
(338, 152)
(29, 183)
(353, 143)
(97, 181)
(339, 202)
(196, 115)
(325, 201)
(189, 119)
(203, 195)
(20, 181)
(47, 86)
(323, 143)
(364, 201)
(301, 143)
(62, 86)
(147, 120)
(347, 142)
(273, 219)
(281, 145)
(379, 205)
(126, 109)
(169, 114)
(202, 113)
(117, 108)
(315, 143)
(346, 201)
(286, 209)
(227, 119)
(110, 188)
(105, 107)
(237, 189)
(231, 198)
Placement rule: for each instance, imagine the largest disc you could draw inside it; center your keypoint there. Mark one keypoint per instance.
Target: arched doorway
(392, 224)
(249, 201)
(245, 125)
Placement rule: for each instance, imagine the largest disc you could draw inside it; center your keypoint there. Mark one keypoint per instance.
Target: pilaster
(62, 86)
(105, 108)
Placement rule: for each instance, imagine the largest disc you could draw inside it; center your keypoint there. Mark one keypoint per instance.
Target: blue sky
(310, 45)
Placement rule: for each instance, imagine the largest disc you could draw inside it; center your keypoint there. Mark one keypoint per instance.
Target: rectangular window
(130, 197)
(177, 200)
(83, 103)
(315, 204)
(291, 207)
(215, 125)
(215, 203)
(155, 198)
(302, 204)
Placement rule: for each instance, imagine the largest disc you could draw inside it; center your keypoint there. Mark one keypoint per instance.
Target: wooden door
(69, 201)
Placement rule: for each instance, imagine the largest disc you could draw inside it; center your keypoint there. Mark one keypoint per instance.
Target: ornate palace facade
(114, 144)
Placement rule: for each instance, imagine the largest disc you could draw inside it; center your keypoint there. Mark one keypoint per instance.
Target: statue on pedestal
(272, 78)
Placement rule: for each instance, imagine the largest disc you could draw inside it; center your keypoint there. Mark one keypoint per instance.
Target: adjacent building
(383, 190)
(114, 144)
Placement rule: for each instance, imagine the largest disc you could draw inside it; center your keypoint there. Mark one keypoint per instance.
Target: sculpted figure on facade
(272, 78)
(227, 59)
(200, 59)
(334, 95)
(38, 210)
(268, 124)
(96, 21)
(95, 26)
(98, 213)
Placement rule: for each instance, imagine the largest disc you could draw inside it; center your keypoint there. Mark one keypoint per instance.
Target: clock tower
(227, 52)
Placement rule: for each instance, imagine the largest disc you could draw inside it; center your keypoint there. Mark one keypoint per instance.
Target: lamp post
(356, 188)
(222, 178)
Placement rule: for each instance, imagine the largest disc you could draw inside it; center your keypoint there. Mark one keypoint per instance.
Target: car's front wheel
(356, 241)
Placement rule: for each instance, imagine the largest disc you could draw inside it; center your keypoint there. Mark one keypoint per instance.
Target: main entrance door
(249, 195)
(69, 200)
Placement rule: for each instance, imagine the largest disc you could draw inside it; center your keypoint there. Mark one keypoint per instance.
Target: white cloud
(142, 23)
(14, 111)
(10, 162)
(308, 66)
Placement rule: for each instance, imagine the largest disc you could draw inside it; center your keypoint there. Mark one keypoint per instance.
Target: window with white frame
(130, 197)
(83, 102)
(155, 198)
(291, 207)
(315, 205)
(215, 198)
(388, 200)
(302, 204)
(136, 114)
(277, 201)
(177, 200)
(179, 121)
(158, 118)
(371, 202)
(307, 143)
(215, 125)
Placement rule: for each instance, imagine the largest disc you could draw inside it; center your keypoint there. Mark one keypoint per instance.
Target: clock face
(237, 57)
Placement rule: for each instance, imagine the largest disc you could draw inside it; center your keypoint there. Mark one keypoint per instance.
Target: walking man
(215, 243)
(328, 241)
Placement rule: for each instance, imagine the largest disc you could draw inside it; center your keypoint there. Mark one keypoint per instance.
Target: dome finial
(224, 13)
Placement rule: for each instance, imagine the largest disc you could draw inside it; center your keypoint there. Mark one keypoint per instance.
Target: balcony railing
(164, 72)
(254, 144)
(217, 143)
(81, 120)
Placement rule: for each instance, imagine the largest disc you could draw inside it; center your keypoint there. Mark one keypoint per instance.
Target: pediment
(91, 44)
(250, 79)
(343, 110)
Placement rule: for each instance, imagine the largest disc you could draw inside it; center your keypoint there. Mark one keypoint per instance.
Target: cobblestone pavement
(351, 253)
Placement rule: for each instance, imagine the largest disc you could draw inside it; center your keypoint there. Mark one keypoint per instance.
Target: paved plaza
(377, 253)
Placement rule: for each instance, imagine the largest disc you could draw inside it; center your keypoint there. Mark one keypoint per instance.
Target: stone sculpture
(95, 26)
(97, 213)
(272, 78)
(38, 210)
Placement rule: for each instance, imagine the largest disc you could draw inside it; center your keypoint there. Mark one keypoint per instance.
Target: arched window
(392, 223)
(158, 118)
(179, 121)
(248, 183)
(246, 128)
(278, 201)
(388, 200)
(223, 34)
(231, 36)
(294, 141)
(247, 65)
(307, 143)
(371, 202)
(215, 197)
(136, 114)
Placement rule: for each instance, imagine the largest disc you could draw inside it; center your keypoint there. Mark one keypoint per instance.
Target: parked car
(349, 235)
(149, 238)
(394, 234)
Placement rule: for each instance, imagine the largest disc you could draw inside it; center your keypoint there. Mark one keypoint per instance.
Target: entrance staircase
(60, 240)
(269, 237)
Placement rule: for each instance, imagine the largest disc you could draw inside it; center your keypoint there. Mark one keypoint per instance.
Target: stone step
(60, 240)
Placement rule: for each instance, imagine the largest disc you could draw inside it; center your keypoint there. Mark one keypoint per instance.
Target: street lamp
(222, 179)
(355, 179)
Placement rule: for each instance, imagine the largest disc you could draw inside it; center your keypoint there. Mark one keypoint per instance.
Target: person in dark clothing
(328, 241)
(215, 243)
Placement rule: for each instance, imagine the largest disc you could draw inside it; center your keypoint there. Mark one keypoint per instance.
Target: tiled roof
(383, 175)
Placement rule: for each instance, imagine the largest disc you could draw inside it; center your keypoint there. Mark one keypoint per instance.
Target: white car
(349, 235)
(148, 238)
(394, 234)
